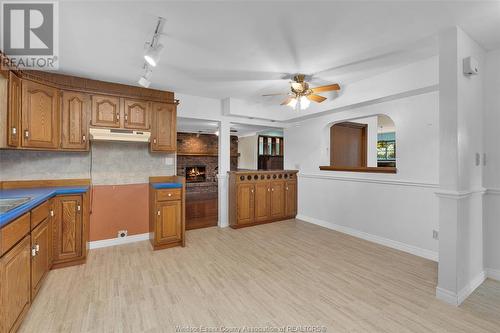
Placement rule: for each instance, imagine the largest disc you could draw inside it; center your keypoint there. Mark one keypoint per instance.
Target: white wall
(461, 267)
(491, 174)
(247, 149)
(398, 210)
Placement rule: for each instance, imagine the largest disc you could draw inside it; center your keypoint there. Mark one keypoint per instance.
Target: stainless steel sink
(11, 203)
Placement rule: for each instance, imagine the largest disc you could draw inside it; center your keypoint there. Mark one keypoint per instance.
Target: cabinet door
(164, 134)
(277, 199)
(262, 201)
(40, 115)
(40, 242)
(14, 111)
(136, 114)
(15, 286)
(291, 198)
(75, 108)
(105, 111)
(168, 222)
(245, 203)
(68, 227)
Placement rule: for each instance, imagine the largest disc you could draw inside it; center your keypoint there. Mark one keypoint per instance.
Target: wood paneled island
(258, 196)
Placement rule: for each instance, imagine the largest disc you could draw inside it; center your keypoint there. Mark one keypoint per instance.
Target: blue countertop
(166, 185)
(38, 195)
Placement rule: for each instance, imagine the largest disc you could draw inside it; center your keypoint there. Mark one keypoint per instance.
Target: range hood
(109, 134)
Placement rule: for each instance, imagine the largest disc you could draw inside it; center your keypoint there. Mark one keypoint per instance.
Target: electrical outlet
(122, 233)
(435, 234)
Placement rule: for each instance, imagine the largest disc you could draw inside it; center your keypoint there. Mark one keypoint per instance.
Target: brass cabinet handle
(84, 138)
(51, 212)
(14, 130)
(33, 251)
(170, 194)
(78, 208)
(158, 213)
(26, 134)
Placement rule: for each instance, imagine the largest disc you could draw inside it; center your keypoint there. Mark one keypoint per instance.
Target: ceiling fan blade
(316, 98)
(329, 87)
(277, 94)
(287, 100)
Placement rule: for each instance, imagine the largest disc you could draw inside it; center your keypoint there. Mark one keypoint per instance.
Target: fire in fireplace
(195, 174)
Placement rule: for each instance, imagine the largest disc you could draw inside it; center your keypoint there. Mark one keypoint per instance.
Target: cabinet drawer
(39, 214)
(168, 194)
(14, 232)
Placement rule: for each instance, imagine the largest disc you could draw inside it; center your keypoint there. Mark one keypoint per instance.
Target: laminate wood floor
(284, 273)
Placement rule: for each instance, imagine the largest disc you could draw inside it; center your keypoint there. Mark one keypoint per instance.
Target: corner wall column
(224, 167)
(460, 169)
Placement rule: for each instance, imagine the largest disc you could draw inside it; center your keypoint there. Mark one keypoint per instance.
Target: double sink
(7, 204)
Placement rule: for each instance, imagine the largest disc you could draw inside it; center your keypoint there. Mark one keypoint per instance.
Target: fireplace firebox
(195, 174)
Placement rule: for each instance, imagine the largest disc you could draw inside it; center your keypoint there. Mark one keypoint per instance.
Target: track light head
(152, 55)
(145, 80)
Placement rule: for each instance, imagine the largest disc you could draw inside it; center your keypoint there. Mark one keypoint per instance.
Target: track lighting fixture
(145, 80)
(154, 48)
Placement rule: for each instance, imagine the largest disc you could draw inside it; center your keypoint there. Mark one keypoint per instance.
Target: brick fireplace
(197, 160)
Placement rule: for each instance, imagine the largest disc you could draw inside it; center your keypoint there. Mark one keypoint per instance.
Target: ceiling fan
(301, 94)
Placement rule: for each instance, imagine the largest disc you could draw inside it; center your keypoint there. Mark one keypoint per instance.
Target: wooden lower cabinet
(168, 222)
(245, 206)
(15, 285)
(277, 200)
(68, 229)
(257, 197)
(262, 201)
(291, 198)
(40, 255)
(167, 213)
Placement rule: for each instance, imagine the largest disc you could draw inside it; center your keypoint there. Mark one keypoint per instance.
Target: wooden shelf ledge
(359, 169)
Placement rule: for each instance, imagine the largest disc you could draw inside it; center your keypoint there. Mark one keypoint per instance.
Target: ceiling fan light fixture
(304, 102)
(292, 103)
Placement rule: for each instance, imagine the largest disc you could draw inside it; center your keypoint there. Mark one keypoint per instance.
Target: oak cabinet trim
(68, 229)
(159, 132)
(128, 106)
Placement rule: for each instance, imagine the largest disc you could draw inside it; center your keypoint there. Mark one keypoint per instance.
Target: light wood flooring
(284, 273)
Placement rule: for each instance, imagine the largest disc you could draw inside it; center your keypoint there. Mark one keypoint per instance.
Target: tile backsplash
(110, 163)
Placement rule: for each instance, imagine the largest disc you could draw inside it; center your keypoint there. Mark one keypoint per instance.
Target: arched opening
(365, 144)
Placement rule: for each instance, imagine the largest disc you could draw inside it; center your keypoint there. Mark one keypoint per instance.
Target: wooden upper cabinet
(136, 114)
(277, 199)
(14, 111)
(105, 111)
(68, 228)
(75, 111)
(40, 115)
(15, 280)
(245, 203)
(169, 222)
(164, 131)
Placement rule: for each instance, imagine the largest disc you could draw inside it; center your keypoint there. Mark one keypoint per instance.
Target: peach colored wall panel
(119, 207)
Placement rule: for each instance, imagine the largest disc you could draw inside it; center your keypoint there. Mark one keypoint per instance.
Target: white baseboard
(118, 241)
(458, 298)
(427, 254)
(493, 274)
